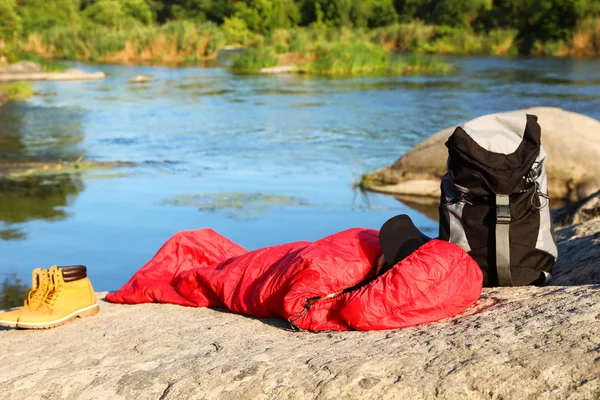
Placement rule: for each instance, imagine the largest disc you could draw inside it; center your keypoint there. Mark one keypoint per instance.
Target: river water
(260, 159)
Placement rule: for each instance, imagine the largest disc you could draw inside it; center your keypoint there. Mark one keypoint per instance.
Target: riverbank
(23, 71)
(181, 42)
(528, 342)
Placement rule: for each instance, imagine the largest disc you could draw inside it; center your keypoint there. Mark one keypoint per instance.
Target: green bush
(139, 10)
(236, 31)
(10, 22)
(37, 16)
(120, 14)
(252, 61)
(216, 41)
(17, 90)
(348, 13)
(192, 10)
(125, 30)
(459, 13)
(265, 16)
(363, 58)
(423, 63)
(349, 59)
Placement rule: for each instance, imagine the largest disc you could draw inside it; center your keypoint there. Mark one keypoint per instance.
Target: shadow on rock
(578, 255)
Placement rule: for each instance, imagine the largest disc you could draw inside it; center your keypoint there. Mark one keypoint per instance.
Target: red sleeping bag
(316, 286)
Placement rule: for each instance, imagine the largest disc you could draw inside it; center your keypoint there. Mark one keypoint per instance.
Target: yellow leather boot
(70, 295)
(40, 281)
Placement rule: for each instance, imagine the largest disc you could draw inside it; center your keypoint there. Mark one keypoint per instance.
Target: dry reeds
(175, 42)
(586, 37)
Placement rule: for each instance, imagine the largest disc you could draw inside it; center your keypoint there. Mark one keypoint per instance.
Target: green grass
(46, 64)
(251, 61)
(417, 37)
(417, 63)
(349, 59)
(366, 181)
(17, 90)
(186, 41)
(174, 42)
(363, 58)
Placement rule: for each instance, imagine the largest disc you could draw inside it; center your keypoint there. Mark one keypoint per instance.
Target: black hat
(399, 237)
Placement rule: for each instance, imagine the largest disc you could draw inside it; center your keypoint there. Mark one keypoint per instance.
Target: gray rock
(578, 212)
(140, 79)
(571, 140)
(280, 69)
(514, 343)
(21, 67)
(579, 256)
(70, 75)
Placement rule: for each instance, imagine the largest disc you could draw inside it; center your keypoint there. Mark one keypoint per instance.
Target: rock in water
(70, 75)
(571, 140)
(140, 79)
(280, 69)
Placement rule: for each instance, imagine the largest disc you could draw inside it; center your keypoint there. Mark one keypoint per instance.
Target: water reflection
(428, 206)
(31, 136)
(41, 133)
(35, 198)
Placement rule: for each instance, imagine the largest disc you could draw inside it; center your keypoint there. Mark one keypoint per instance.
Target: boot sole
(8, 324)
(81, 313)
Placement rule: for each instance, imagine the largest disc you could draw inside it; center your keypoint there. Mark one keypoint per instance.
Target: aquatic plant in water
(235, 204)
(360, 58)
(252, 61)
(22, 169)
(17, 90)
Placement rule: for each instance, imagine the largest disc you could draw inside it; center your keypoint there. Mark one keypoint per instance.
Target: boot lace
(34, 297)
(52, 294)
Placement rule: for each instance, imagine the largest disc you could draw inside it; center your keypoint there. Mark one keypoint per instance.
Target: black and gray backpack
(494, 201)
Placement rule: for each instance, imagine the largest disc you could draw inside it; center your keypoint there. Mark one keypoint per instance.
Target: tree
(39, 15)
(410, 10)
(459, 13)
(339, 13)
(267, 15)
(541, 20)
(382, 13)
(198, 10)
(119, 13)
(10, 23)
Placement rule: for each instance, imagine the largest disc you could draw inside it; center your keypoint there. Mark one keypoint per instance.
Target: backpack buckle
(503, 209)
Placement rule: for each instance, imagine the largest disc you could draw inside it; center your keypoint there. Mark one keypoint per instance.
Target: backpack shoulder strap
(503, 218)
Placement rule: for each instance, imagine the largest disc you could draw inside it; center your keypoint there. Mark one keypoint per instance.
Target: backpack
(495, 202)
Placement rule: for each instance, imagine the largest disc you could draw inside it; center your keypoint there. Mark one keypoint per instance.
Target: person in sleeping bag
(357, 279)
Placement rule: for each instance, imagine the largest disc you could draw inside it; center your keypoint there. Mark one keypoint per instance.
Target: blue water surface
(260, 159)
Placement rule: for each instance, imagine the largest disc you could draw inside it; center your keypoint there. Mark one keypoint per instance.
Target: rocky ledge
(514, 343)
(30, 71)
(571, 140)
